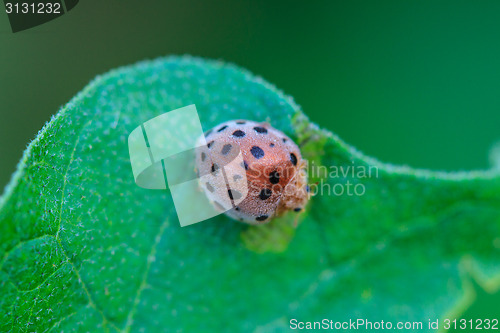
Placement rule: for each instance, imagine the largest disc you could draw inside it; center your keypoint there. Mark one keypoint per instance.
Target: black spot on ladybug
(245, 165)
(261, 217)
(236, 177)
(257, 152)
(271, 145)
(210, 144)
(234, 195)
(293, 158)
(274, 177)
(241, 122)
(239, 134)
(236, 208)
(203, 156)
(215, 167)
(226, 149)
(260, 130)
(284, 140)
(218, 205)
(210, 187)
(222, 128)
(265, 194)
(298, 209)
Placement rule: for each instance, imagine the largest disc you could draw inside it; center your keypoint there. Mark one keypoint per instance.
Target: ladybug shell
(270, 180)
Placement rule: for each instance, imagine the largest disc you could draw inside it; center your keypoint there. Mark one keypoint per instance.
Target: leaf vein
(150, 259)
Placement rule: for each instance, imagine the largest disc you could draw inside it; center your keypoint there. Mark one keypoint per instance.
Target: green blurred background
(409, 82)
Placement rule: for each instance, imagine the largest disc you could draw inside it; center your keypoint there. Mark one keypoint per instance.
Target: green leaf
(83, 248)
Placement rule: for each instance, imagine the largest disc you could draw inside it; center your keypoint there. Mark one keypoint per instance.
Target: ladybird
(270, 180)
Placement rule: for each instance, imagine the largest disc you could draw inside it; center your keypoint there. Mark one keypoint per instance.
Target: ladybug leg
(296, 221)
